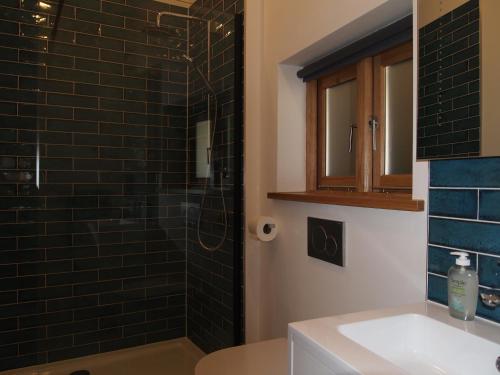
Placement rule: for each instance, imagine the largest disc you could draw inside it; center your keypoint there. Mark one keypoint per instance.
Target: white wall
(386, 250)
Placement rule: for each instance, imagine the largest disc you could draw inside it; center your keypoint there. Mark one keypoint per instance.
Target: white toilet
(262, 358)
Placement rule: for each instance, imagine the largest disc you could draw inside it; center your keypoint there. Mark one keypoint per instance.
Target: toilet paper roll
(265, 228)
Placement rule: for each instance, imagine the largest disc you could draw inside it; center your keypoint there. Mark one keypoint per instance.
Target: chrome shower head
(159, 15)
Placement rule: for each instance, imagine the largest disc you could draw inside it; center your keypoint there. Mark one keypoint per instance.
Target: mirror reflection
(458, 113)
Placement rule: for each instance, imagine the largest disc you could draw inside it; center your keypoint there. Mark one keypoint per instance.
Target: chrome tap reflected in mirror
(491, 300)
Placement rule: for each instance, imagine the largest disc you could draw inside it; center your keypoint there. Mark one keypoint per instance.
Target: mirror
(459, 82)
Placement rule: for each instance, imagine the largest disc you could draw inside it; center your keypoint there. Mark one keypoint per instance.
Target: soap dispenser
(462, 288)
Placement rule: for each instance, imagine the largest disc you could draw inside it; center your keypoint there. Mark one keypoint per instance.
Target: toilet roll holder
(268, 228)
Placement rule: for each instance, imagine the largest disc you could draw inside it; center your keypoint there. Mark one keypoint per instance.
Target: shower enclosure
(121, 176)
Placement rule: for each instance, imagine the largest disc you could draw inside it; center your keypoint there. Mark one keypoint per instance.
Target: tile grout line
(451, 218)
(466, 250)
(463, 188)
(478, 202)
(429, 273)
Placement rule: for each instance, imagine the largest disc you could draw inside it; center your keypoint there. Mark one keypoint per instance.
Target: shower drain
(80, 372)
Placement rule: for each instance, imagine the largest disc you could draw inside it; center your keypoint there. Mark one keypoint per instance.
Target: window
(360, 125)
(359, 135)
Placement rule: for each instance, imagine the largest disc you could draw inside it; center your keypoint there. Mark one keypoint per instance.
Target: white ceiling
(181, 3)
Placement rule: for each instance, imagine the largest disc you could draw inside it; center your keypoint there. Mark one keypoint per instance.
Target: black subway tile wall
(93, 182)
(449, 80)
(213, 302)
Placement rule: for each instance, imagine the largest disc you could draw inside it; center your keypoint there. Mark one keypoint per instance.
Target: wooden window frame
(370, 75)
(393, 56)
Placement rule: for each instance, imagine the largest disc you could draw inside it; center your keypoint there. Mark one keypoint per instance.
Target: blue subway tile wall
(472, 235)
(438, 289)
(453, 203)
(439, 260)
(464, 215)
(489, 271)
(489, 201)
(479, 173)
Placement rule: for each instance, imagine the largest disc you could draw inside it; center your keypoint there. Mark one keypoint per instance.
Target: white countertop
(324, 333)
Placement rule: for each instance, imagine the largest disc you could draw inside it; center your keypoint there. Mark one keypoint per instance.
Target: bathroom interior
(212, 187)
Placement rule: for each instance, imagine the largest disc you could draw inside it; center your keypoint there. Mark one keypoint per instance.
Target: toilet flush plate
(325, 240)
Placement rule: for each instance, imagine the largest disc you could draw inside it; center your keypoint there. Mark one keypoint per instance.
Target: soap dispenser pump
(462, 288)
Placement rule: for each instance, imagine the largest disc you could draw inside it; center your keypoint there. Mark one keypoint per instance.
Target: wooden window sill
(387, 201)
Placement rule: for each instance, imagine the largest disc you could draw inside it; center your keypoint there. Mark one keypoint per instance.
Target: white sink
(421, 345)
(419, 339)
